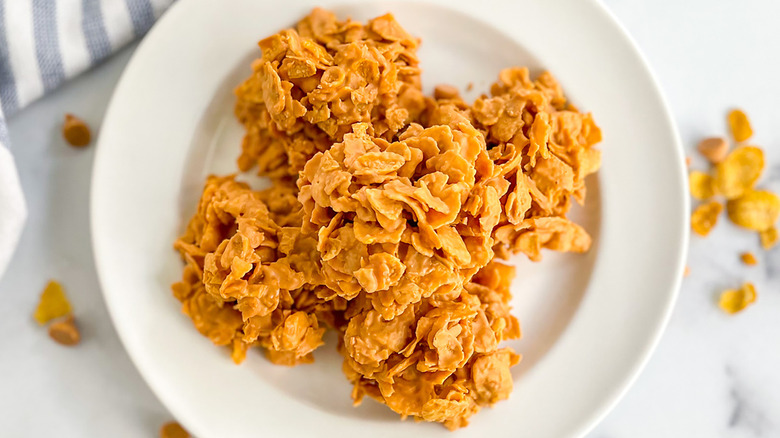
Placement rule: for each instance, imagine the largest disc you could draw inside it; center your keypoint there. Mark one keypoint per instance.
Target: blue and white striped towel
(43, 43)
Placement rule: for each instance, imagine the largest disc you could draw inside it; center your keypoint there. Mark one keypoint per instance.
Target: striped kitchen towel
(42, 44)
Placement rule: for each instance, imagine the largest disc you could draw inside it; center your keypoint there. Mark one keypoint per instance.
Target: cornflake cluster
(387, 216)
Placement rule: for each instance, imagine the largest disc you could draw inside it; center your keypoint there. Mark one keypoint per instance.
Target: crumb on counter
(65, 332)
(75, 131)
(714, 149)
(733, 301)
(739, 125)
(173, 430)
(748, 258)
(52, 304)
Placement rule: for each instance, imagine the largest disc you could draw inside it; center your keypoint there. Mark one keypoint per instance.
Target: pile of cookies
(387, 217)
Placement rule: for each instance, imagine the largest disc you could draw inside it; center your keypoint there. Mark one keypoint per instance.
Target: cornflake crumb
(704, 218)
(769, 238)
(76, 131)
(748, 258)
(52, 304)
(735, 300)
(739, 125)
(701, 185)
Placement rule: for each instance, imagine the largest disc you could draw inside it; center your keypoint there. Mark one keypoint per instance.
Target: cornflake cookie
(245, 282)
(315, 81)
(387, 217)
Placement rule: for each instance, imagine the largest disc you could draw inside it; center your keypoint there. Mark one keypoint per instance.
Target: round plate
(590, 321)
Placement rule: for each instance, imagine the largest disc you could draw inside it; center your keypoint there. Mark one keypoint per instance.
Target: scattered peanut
(75, 131)
(65, 332)
(173, 430)
(714, 149)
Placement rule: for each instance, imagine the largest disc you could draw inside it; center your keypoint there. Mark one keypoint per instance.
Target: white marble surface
(712, 375)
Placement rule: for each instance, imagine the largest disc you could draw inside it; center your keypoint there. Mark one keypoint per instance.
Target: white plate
(590, 322)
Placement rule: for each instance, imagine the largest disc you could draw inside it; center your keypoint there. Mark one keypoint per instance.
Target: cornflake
(740, 125)
(748, 258)
(702, 185)
(733, 301)
(53, 303)
(704, 218)
(739, 172)
(756, 210)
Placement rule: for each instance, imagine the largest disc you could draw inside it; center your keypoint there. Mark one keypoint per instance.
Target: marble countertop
(711, 376)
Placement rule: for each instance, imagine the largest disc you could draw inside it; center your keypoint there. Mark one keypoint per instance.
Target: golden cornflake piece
(769, 238)
(65, 332)
(53, 304)
(705, 217)
(739, 172)
(740, 125)
(714, 149)
(173, 430)
(687, 271)
(238, 351)
(733, 301)
(756, 210)
(687, 161)
(701, 184)
(748, 258)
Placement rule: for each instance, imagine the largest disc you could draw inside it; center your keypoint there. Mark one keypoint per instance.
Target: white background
(712, 375)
